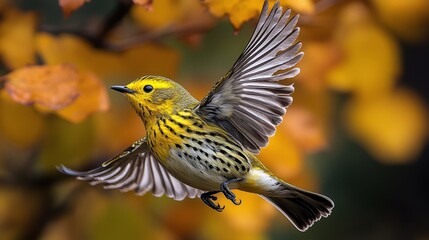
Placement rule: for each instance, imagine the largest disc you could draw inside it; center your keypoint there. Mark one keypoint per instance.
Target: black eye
(147, 88)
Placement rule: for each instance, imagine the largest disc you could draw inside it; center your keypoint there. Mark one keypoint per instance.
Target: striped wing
(249, 102)
(136, 169)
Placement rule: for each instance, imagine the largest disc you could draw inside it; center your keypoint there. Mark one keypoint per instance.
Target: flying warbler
(198, 149)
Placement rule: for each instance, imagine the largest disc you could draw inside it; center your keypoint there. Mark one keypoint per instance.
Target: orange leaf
(52, 87)
(70, 6)
(92, 98)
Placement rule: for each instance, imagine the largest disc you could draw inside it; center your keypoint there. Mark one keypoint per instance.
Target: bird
(201, 148)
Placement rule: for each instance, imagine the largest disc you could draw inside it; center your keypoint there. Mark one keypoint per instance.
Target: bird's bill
(123, 89)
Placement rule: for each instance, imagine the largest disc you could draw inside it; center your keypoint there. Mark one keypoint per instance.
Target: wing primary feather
(273, 113)
(265, 32)
(148, 181)
(117, 177)
(259, 33)
(269, 69)
(278, 31)
(278, 77)
(261, 21)
(157, 179)
(169, 189)
(264, 49)
(130, 180)
(135, 169)
(265, 128)
(283, 56)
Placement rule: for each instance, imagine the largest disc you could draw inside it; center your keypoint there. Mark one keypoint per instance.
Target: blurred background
(357, 131)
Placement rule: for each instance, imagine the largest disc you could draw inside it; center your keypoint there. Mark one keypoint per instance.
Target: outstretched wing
(249, 102)
(136, 169)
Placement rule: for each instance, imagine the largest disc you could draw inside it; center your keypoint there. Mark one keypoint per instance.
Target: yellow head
(154, 96)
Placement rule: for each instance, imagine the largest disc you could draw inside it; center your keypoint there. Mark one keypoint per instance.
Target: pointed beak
(123, 89)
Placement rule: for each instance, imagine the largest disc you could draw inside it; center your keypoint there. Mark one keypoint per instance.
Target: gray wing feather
(136, 169)
(249, 102)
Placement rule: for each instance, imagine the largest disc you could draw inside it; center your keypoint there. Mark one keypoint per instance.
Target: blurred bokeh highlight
(356, 132)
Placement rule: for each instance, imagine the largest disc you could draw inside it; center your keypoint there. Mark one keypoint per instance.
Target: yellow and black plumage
(197, 149)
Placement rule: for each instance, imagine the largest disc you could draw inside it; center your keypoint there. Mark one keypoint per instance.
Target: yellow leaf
(17, 38)
(392, 127)
(141, 60)
(409, 18)
(93, 97)
(242, 11)
(70, 6)
(371, 56)
(52, 86)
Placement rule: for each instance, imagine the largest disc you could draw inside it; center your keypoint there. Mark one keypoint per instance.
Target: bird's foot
(209, 199)
(228, 193)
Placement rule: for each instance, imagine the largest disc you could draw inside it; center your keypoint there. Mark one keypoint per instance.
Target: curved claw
(235, 201)
(208, 199)
(227, 192)
(219, 208)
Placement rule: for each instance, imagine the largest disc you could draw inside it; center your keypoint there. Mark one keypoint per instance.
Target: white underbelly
(192, 172)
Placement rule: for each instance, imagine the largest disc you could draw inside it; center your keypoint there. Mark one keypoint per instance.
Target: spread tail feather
(302, 208)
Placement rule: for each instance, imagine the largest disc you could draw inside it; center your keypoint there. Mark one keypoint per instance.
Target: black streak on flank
(160, 129)
(176, 122)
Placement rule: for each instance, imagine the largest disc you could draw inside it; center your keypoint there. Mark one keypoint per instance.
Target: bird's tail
(301, 207)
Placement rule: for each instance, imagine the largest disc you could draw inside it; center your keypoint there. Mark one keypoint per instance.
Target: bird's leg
(227, 192)
(208, 199)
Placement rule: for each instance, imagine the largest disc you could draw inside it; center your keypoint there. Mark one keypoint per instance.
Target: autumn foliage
(360, 107)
